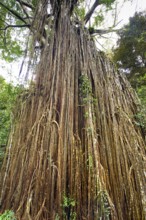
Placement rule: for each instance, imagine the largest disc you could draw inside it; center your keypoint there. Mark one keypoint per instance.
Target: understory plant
(8, 215)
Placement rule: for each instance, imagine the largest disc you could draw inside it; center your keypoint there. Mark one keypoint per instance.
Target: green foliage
(103, 205)
(130, 54)
(139, 83)
(98, 19)
(34, 2)
(8, 215)
(10, 40)
(86, 94)
(8, 94)
(85, 88)
(67, 201)
(90, 162)
(80, 12)
(57, 217)
(10, 50)
(2, 154)
(107, 2)
(140, 118)
(141, 91)
(68, 204)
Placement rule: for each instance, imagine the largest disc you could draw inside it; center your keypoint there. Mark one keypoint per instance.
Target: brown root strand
(74, 145)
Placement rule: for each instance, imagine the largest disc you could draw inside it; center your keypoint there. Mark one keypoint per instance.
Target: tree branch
(13, 12)
(15, 26)
(91, 10)
(27, 5)
(100, 31)
(23, 8)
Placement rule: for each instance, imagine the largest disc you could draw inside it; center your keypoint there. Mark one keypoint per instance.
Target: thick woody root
(75, 149)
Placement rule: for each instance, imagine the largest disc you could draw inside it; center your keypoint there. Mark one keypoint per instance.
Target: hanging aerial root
(76, 151)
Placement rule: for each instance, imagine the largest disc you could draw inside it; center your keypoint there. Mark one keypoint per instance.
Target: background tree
(130, 54)
(9, 44)
(130, 57)
(75, 151)
(8, 94)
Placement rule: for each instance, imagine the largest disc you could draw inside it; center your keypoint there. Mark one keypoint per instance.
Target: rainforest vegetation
(8, 94)
(130, 58)
(130, 55)
(76, 146)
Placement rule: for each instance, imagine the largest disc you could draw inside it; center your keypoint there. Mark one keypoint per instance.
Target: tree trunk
(75, 151)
